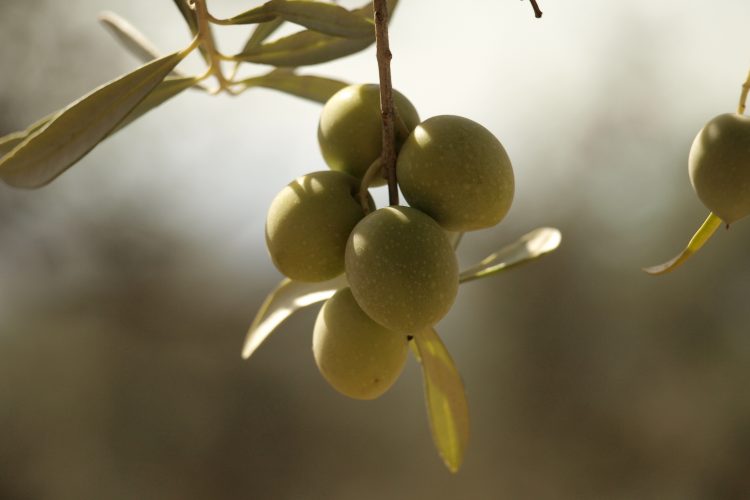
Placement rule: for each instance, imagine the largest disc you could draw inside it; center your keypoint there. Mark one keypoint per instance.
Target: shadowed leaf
(133, 40)
(327, 18)
(529, 247)
(10, 141)
(166, 90)
(707, 229)
(447, 408)
(282, 302)
(77, 129)
(310, 47)
(314, 88)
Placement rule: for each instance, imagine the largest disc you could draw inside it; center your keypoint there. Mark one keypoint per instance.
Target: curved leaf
(282, 302)
(166, 90)
(327, 18)
(309, 47)
(261, 32)
(530, 246)
(707, 229)
(10, 141)
(314, 88)
(304, 48)
(130, 38)
(447, 408)
(76, 130)
(134, 41)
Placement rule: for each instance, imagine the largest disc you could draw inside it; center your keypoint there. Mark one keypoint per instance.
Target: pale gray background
(126, 286)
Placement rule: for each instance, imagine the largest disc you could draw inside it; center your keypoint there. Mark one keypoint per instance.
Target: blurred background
(127, 285)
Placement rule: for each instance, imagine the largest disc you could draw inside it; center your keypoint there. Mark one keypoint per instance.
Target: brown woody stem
(537, 10)
(384, 56)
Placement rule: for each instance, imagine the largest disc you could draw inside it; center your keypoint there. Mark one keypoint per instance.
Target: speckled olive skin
(309, 222)
(719, 165)
(350, 128)
(358, 357)
(457, 172)
(402, 269)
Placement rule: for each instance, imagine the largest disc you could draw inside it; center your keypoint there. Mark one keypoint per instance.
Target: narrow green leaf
(261, 14)
(327, 18)
(322, 17)
(261, 32)
(305, 48)
(77, 129)
(166, 90)
(314, 88)
(447, 408)
(282, 302)
(704, 233)
(309, 47)
(10, 141)
(130, 38)
(528, 247)
(135, 41)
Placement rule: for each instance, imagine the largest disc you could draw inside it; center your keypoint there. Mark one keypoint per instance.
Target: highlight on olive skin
(457, 172)
(309, 222)
(719, 165)
(402, 269)
(357, 356)
(350, 128)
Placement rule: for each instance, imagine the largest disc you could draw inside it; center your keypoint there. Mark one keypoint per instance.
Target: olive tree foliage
(33, 157)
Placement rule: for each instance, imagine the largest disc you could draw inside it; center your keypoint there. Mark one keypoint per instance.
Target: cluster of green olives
(400, 266)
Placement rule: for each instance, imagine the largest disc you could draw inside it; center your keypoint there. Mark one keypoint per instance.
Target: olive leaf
(314, 88)
(447, 408)
(130, 38)
(310, 47)
(707, 229)
(530, 246)
(134, 41)
(166, 90)
(282, 302)
(10, 141)
(73, 132)
(327, 18)
(261, 32)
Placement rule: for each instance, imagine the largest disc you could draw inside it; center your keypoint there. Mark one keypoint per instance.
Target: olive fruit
(350, 129)
(402, 269)
(457, 172)
(309, 222)
(719, 164)
(358, 357)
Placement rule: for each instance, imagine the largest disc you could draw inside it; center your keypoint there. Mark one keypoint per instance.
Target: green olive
(358, 357)
(309, 222)
(457, 172)
(719, 165)
(350, 129)
(402, 269)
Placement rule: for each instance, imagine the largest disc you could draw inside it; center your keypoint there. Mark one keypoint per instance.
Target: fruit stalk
(384, 57)
(743, 95)
(537, 10)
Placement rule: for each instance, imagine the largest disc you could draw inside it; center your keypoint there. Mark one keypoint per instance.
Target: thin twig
(384, 56)
(207, 38)
(537, 10)
(743, 95)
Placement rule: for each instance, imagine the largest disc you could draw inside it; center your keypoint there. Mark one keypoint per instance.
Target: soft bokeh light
(127, 285)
